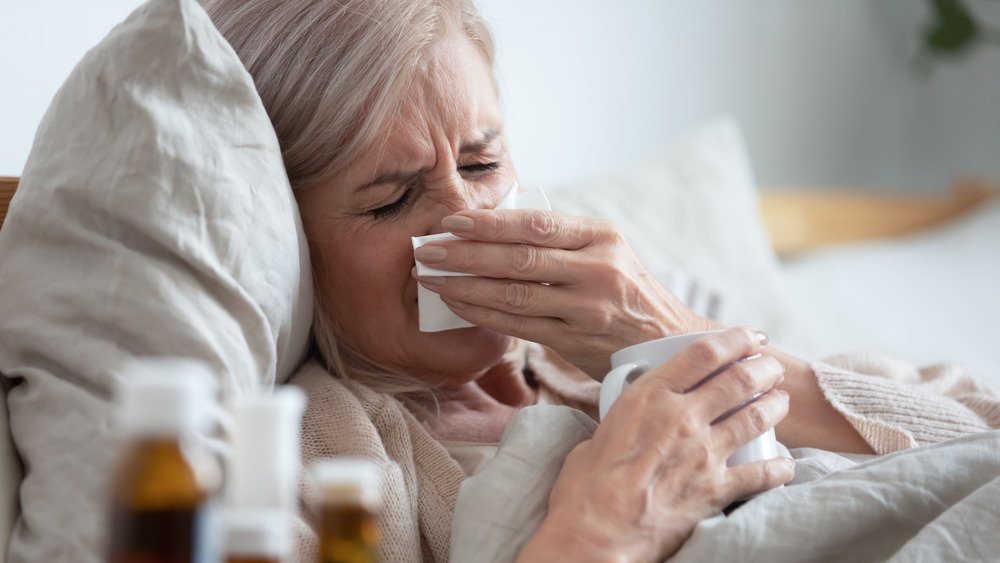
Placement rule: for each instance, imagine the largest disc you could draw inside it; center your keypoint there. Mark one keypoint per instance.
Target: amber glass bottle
(350, 492)
(160, 493)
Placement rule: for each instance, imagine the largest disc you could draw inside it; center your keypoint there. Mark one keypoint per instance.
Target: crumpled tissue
(435, 316)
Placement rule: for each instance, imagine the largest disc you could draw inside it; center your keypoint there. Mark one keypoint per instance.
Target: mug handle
(614, 384)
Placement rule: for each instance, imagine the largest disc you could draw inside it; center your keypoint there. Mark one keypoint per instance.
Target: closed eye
(394, 208)
(479, 167)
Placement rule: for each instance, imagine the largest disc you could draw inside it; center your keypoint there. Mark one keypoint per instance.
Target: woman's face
(445, 154)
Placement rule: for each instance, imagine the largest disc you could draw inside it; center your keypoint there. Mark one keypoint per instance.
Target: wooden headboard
(7, 187)
(803, 220)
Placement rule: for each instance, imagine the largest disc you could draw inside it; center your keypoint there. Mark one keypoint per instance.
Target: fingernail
(453, 304)
(761, 337)
(431, 280)
(430, 254)
(458, 223)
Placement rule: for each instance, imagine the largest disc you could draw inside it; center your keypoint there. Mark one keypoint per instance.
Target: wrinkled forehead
(453, 94)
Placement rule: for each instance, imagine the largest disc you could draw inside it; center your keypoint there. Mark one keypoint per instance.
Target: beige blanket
(421, 480)
(893, 405)
(933, 503)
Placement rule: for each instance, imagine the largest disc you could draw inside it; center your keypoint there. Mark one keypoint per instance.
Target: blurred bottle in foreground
(350, 493)
(162, 490)
(262, 478)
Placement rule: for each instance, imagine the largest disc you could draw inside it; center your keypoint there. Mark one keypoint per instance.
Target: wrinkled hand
(656, 465)
(570, 283)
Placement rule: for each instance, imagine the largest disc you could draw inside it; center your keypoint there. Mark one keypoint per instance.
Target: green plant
(954, 29)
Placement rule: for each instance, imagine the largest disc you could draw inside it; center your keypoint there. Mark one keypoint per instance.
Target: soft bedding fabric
(911, 505)
(691, 215)
(420, 481)
(511, 491)
(936, 503)
(153, 218)
(928, 298)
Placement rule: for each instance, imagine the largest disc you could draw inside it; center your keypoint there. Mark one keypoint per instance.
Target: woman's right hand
(656, 465)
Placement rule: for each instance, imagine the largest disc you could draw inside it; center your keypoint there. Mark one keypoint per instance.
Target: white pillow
(929, 298)
(154, 217)
(692, 212)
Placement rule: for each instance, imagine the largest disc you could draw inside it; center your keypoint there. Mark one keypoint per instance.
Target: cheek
(365, 284)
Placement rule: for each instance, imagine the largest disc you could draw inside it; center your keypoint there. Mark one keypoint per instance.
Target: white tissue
(435, 316)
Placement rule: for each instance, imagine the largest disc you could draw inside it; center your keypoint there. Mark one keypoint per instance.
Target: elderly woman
(390, 125)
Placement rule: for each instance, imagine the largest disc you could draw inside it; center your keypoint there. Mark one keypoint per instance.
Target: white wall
(40, 43)
(826, 91)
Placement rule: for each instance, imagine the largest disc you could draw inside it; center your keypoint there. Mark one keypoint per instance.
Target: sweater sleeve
(895, 406)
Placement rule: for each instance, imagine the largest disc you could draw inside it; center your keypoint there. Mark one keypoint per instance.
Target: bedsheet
(935, 503)
(928, 298)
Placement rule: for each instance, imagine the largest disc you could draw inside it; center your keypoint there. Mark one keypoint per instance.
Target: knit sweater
(892, 405)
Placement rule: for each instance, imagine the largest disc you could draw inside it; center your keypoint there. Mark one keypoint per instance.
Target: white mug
(629, 363)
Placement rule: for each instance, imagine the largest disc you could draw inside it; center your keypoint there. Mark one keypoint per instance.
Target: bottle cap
(263, 470)
(349, 481)
(164, 397)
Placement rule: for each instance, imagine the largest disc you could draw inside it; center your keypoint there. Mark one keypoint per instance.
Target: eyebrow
(485, 138)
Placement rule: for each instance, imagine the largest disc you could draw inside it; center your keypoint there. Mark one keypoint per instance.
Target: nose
(454, 194)
(459, 195)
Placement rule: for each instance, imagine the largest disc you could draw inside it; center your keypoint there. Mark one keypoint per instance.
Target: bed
(135, 221)
(809, 231)
(923, 288)
(913, 277)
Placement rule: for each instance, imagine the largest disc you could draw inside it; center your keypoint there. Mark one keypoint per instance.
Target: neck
(478, 411)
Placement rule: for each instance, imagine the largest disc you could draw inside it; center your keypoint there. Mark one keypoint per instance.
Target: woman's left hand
(570, 283)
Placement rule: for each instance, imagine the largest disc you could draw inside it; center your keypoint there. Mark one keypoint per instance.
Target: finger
(751, 421)
(517, 297)
(529, 226)
(706, 356)
(534, 329)
(759, 476)
(737, 384)
(514, 261)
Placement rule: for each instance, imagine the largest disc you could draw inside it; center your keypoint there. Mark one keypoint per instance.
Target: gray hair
(332, 75)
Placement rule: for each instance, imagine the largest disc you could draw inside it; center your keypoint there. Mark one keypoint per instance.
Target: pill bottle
(350, 499)
(262, 477)
(166, 477)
